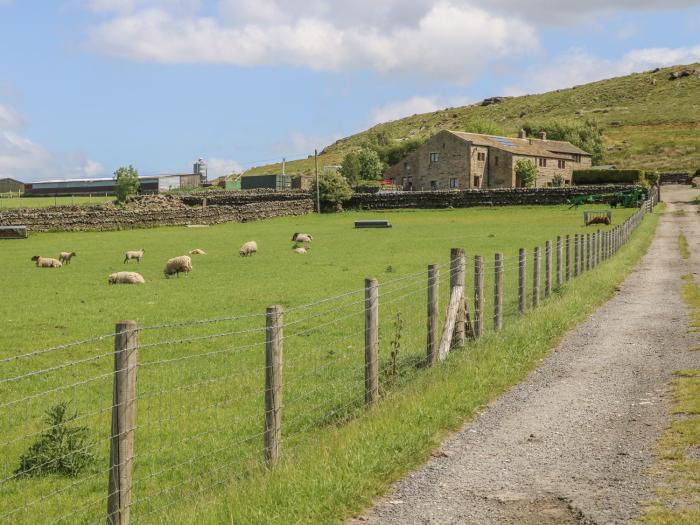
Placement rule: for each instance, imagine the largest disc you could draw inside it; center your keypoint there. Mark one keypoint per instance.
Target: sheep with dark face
(248, 248)
(46, 262)
(177, 265)
(65, 257)
(126, 278)
(302, 237)
(135, 254)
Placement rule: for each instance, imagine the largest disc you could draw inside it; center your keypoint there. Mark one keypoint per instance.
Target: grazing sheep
(65, 257)
(197, 251)
(136, 254)
(302, 237)
(46, 262)
(183, 263)
(248, 248)
(300, 249)
(126, 278)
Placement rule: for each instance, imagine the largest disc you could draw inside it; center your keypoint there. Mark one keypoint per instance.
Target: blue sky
(90, 85)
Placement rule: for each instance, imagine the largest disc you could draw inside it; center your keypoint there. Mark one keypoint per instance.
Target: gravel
(571, 443)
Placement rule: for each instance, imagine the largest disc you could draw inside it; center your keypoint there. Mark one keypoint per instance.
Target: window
(561, 164)
(406, 166)
(481, 156)
(434, 157)
(577, 158)
(477, 180)
(495, 160)
(454, 183)
(542, 163)
(443, 145)
(433, 185)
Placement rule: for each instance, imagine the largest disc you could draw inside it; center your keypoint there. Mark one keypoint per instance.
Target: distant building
(272, 182)
(457, 160)
(107, 185)
(11, 185)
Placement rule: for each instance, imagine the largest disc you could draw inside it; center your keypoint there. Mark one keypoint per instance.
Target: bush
(62, 449)
(557, 181)
(526, 171)
(368, 186)
(127, 182)
(587, 135)
(333, 189)
(582, 177)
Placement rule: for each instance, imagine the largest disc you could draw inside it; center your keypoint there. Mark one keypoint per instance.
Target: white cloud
(218, 167)
(23, 159)
(578, 67)
(449, 40)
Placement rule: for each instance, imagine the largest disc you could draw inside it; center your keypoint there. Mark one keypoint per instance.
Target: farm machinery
(629, 199)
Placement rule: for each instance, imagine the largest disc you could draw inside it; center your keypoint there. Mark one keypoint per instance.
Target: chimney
(543, 135)
(522, 134)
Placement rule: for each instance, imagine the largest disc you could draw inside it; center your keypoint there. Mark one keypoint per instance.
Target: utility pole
(283, 166)
(318, 188)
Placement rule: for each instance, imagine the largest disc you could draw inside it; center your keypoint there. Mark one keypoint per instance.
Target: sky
(91, 85)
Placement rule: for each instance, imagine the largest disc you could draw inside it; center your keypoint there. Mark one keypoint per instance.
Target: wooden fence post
(582, 260)
(478, 296)
(273, 384)
(371, 341)
(536, 277)
(588, 251)
(498, 293)
(598, 247)
(458, 270)
(433, 312)
(559, 262)
(576, 255)
(567, 274)
(121, 455)
(547, 268)
(594, 249)
(521, 281)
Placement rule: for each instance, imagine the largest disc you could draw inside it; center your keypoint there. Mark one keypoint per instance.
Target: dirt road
(570, 444)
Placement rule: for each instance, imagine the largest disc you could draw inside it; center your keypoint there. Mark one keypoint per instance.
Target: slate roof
(532, 147)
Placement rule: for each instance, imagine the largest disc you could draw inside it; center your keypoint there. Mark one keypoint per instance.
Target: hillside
(649, 120)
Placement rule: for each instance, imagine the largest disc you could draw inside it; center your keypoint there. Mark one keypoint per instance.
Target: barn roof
(532, 147)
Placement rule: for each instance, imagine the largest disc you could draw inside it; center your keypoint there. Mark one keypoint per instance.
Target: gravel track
(570, 444)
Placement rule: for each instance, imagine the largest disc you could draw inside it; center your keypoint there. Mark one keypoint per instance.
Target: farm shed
(107, 185)
(7, 185)
(273, 182)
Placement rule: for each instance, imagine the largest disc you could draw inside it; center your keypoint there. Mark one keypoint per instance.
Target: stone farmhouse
(457, 160)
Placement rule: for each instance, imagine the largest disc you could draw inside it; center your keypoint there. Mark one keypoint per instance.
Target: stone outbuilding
(458, 160)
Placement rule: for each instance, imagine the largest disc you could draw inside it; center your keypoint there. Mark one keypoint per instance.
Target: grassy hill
(649, 121)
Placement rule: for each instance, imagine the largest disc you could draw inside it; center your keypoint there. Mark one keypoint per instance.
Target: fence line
(210, 402)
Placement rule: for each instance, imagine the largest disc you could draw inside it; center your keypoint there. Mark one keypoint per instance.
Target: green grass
(199, 409)
(44, 202)
(683, 246)
(647, 125)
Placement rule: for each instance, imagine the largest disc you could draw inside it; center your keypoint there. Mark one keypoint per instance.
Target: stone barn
(458, 160)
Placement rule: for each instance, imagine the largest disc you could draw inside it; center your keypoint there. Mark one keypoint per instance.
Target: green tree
(395, 153)
(526, 171)
(371, 167)
(333, 190)
(350, 168)
(127, 182)
(557, 181)
(587, 135)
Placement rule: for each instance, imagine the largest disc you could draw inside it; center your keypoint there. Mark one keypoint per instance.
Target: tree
(127, 182)
(526, 171)
(557, 181)
(587, 135)
(350, 168)
(333, 190)
(371, 167)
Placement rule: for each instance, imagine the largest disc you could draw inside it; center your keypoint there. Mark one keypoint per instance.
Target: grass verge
(683, 246)
(339, 470)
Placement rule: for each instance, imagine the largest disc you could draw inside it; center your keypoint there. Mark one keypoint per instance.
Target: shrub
(127, 179)
(557, 181)
(587, 135)
(333, 190)
(350, 168)
(371, 167)
(62, 449)
(526, 171)
(484, 127)
(582, 177)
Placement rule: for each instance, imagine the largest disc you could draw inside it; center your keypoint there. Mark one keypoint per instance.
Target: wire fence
(217, 400)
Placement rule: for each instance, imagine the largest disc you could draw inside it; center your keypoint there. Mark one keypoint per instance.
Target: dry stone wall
(469, 198)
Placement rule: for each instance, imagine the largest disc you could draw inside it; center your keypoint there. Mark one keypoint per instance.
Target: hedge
(582, 177)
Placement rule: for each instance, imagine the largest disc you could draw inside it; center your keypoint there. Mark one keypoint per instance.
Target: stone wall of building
(469, 198)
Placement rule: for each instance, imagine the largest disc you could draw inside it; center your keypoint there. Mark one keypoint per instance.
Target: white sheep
(65, 257)
(248, 248)
(135, 254)
(300, 249)
(197, 251)
(183, 263)
(302, 237)
(46, 262)
(126, 278)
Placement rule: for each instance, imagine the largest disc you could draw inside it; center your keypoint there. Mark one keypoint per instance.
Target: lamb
(183, 263)
(136, 254)
(249, 248)
(65, 257)
(46, 262)
(302, 237)
(197, 251)
(300, 249)
(126, 278)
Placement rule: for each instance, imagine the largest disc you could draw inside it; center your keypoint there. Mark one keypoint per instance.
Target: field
(44, 202)
(200, 385)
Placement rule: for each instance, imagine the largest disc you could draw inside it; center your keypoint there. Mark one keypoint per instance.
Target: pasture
(200, 385)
